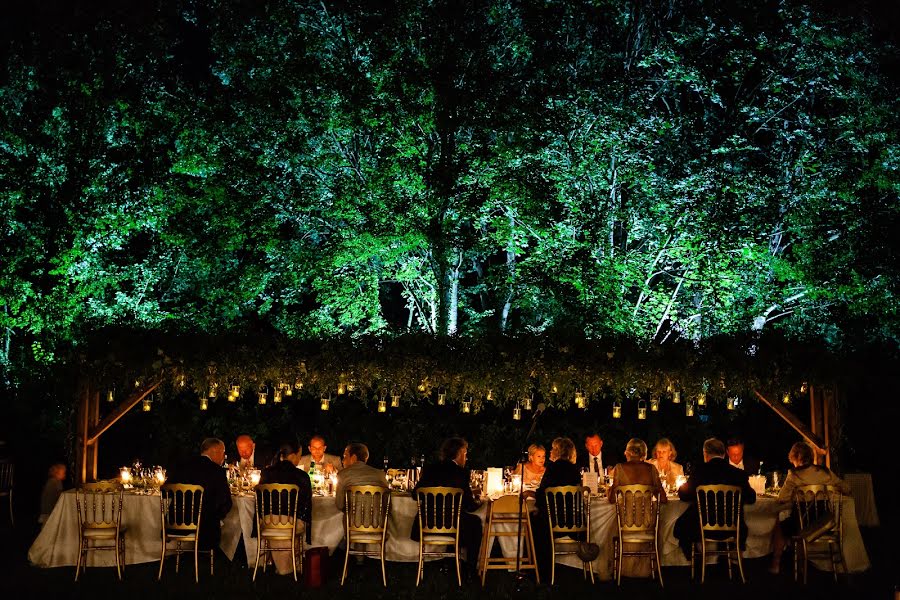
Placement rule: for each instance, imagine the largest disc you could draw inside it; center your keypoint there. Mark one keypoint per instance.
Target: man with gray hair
(356, 472)
(206, 470)
(715, 470)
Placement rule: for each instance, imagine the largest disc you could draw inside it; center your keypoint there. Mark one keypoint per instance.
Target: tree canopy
(657, 170)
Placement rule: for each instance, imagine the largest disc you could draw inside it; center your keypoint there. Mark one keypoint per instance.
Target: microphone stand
(523, 458)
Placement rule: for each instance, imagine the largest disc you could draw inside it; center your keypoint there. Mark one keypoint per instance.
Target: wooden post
(791, 419)
(81, 431)
(812, 418)
(827, 402)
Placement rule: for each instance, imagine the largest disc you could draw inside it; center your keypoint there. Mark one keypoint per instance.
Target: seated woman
(285, 470)
(804, 472)
(560, 472)
(534, 469)
(664, 460)
(635, 471)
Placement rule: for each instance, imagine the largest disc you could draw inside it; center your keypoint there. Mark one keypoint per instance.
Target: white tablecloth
(57, 544)
(864, 497)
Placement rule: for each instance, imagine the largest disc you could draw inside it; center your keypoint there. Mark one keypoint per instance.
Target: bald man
(246, 448)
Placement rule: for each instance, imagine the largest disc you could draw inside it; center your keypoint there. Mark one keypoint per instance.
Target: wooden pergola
(90, 427)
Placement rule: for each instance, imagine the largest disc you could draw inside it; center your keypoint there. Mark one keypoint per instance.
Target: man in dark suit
(451, 472)
(206, 470)
(715, 470)
(734, 447)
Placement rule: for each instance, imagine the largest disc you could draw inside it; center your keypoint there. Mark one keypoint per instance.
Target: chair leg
(196, 561)
(702, 561)
(118, 564)
(346, 561)
(740, 562)
(552, 560)
(162, 559)
(617, 560)
(537, 572)
(12, 518)
(419, 569)
(211, 565)
(80, 557)
(177, 555)
(658, 564)
(383, 571)
(259, 546)
(294, 556)
(728, 558)
(456, 558)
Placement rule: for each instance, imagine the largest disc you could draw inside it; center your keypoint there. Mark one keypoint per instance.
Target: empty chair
(7, 471)
(99, 510)
(569, 514)
(503, 521)
(637, 524)
(180, 506)
(278, 529)
(366, 511)
(821, 534)
(439, 510)
(720, 510)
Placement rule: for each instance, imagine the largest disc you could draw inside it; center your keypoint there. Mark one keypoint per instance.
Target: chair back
(720, 508)
(567, 509)
(818, 504)
(507, 507)
(439, 510)
(366, 508)
(98, 507)
(637, 509)
(7, 471)
(181, 505)
(276, 505)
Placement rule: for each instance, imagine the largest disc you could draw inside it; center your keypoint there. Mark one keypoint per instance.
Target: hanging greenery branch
(500, 370)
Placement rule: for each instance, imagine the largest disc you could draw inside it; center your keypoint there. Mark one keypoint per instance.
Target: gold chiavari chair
(819, 511)
(99, 510)
(569, 514)
(366, 511)
(637, 523)
(502, 521)
(276, 521)
(439, 511)
(720, 510)
(181, 506)
(7, 471)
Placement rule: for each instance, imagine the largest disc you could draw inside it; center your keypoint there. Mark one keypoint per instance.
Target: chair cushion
(638, 537)
(438, 539)
(99, 533)
(365, 539)
(285, 534)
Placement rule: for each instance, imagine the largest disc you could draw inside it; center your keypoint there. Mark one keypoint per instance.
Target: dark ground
(19, 579)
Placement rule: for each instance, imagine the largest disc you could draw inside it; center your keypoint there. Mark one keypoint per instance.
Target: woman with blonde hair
(533, 471)
(635, 471)
(664, 460)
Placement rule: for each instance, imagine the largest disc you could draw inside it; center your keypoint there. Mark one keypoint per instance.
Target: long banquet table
(57, 543)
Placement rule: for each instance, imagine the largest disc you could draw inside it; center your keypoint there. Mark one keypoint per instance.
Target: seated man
(736, 457)
(246, 448)
(451, 472)
(325, 463)
(357, 472)
(285, 470)
(206, 470)
(715, 470)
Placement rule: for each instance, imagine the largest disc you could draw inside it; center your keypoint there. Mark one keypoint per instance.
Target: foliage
(664, 172)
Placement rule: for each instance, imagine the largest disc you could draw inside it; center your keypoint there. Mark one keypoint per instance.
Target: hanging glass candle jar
(642, 410)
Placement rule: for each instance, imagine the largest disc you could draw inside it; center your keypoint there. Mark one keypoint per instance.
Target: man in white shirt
(736, 458)
(326, 463)
(593, 443)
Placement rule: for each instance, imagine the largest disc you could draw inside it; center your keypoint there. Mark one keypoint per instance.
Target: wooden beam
(794, 422)
(827, 403)
(119, 412)
(813, 417)
(81, 433)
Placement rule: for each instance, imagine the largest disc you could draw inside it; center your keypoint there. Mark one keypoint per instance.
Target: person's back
(206, 470)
